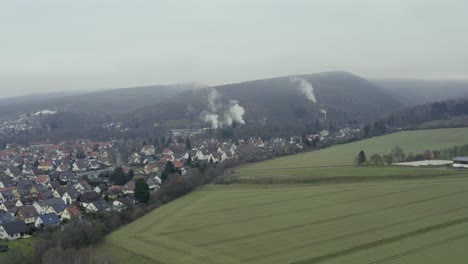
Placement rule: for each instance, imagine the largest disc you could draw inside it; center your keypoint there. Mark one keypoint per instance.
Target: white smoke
(189, 110)
(210, 118)
(235, 113)
(324, 112)
(213, 100)
(305, 87)
(219, 114)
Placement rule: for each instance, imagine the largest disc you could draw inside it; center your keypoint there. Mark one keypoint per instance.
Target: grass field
(411, 141)
(17, 250)
(315, 213)
(411, 221)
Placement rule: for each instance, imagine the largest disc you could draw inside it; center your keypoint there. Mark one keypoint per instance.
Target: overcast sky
(64, 45)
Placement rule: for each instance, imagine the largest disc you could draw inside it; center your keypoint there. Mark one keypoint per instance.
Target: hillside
(302, 102)
(449, 113)
(113, 102)
(414, 92)
(378, 215)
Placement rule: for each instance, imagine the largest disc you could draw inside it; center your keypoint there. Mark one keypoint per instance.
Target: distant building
(460, 162)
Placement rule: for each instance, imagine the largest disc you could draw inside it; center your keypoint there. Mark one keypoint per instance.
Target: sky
(65, 45)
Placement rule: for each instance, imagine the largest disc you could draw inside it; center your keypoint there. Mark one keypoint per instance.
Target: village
(44, 184)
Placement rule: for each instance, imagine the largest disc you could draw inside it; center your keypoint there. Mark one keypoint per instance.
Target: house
(7, 205)
(460, 162)
(21, 193)
(134, 159)
(83, 186)
(42, 206)
(38, 188)
(148, 150)
(79, 165)
(6, 217)
(121, 204)
(6, 182)
(6, 195)
(46, 165)
(88, 197)
(100, 188)
(151, 168)
(45, 195)
(97, 206)
(53, 185)
(43, 179)
(129, 187)
(71, 212)
(67, 194)
(56, 209)
(167, 152)
(70, 196)
(28, 200)
(28, 214)
(62, 168)
(13, 230)
(24, 184)
(114, 193)
(47, 220)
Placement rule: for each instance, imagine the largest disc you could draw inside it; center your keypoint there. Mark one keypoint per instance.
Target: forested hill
(444, 113)
(278, 104)
(113, 102)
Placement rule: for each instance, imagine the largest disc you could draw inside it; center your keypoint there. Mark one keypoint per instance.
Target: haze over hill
(304, 100)
(413, 91)
(106, 102)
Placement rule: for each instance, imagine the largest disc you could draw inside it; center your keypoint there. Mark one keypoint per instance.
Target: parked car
(3, 248)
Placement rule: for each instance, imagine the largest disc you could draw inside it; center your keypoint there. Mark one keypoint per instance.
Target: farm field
(335, 174)
(410, 221)
(411, 141)
(314, 208)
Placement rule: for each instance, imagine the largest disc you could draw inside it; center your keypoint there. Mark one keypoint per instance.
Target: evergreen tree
(130, 175)
(189, 160)
(142, 191)
(362, 158)
(169, 168)
(118, 176)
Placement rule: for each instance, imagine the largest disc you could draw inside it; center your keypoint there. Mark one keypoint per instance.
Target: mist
(51, 46)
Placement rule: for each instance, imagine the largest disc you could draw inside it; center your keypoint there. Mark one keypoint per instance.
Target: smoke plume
(220, 114)
(305, 87)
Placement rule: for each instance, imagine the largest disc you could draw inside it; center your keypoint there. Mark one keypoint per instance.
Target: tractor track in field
(271, 202)
(321, 221)
(302, 209)
(383, 241)
(284, 179)
(133, 252)
(416, 250)
(177, 210)
(175, 249)
(350, 235)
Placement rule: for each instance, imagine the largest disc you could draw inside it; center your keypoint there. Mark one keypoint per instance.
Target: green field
(411, 221)
(18, 251)
(312, 214)
(411, 141)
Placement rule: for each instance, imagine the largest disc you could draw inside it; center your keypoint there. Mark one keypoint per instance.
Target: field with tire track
(291, 210)
(332, 223)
